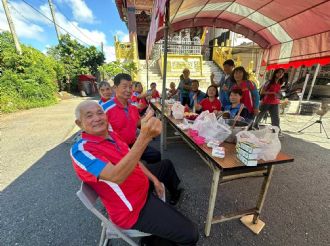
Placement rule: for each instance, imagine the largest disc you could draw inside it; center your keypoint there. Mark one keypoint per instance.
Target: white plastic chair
(109, 230)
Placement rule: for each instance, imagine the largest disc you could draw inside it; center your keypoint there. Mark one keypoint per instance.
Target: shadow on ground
(40, 207)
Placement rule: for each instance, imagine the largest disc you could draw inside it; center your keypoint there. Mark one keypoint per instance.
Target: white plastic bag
(178, 111)
(207, 126)
(266, 139)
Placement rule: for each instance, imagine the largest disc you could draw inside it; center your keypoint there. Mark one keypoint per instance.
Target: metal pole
(147, 61)
(167, 18)
(11, 27)
(303, 92)
(313, 81)
(54, 20)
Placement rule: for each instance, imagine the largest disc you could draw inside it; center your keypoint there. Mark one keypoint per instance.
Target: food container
(239, 126)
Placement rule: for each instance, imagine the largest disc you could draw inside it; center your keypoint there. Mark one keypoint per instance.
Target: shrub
(29, 80)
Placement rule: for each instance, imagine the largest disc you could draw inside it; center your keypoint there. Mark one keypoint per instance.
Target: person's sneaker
(175, 197)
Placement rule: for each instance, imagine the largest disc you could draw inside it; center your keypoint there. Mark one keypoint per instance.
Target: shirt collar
(93, 138)
(104, 99)
(119, 103)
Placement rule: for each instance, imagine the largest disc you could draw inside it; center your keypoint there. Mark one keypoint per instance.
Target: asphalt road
(38, 205)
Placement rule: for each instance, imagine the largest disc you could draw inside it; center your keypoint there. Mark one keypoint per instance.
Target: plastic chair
(109, 230)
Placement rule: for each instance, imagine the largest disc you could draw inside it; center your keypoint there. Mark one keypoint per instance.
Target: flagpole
(163, 135)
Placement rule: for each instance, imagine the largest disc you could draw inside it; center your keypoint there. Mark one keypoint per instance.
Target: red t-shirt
(123, 202)
(272, 99)
(155, 94)
(123, 120)
(210, 106)
(136, 101)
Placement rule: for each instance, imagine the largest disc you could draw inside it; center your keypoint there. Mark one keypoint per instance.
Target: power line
(17, 12)
(41, 13)
(77, 28)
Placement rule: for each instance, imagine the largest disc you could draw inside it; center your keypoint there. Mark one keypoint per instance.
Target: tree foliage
(77, 59)
(27, 80)
(112, 68)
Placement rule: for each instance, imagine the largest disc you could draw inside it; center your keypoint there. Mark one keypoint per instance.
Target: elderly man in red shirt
(124, 117)
(105, 162)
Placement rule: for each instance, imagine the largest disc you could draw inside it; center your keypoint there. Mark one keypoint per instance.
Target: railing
(222, 53)
(181, 46)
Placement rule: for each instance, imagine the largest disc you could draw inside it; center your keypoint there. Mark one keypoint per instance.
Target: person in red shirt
(125, 186)
(153, 91)
(211, 103)
(124, 117)
(139, 99)
(250, 94)
(270, 101)
(106, 92)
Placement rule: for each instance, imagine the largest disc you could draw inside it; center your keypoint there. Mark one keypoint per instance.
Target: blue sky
(91, 21)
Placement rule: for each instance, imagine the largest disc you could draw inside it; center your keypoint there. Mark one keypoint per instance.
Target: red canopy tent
(289, 31)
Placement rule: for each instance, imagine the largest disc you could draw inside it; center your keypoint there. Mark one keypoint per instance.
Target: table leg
(163, 137)
(263, 193)
(252, 221)
(212, 199)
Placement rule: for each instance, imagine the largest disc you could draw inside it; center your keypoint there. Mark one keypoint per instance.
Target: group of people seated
(115, 158)
(226, 95)
(233, 94)
(126, 172)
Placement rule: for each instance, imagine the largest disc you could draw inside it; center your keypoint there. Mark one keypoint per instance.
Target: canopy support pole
(313, 81)
(147, 61)
(303, 92)
(163, 135)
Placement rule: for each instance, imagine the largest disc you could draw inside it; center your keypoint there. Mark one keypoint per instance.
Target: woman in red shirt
(250, 94)
(270, 101)
(211, 103)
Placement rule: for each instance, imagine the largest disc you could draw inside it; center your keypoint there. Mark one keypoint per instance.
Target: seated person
(106, 92)
(124, 117)
(235, 97)
(195, 95)
(103, 161)
(139, 99)
(173, 93)
(153, 91)
(211, 103)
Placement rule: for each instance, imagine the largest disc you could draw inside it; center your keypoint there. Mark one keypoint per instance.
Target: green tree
(77, 59)
(28, 80)
(112, 68)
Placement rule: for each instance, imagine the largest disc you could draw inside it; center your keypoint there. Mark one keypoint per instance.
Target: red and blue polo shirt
(103, 100)
(123, 120)
(123, 202)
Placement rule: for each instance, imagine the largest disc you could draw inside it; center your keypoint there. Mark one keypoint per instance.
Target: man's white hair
(84, 104)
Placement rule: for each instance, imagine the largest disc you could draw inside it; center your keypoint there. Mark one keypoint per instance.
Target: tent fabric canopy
(288, 30)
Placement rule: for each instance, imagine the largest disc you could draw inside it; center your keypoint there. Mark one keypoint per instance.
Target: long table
(225, 169)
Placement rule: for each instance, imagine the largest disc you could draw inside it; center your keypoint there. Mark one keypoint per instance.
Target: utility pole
(102, 50)
(11, 27)
(54, 20)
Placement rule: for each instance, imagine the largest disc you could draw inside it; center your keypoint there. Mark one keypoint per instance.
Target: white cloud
(80, 11)
(30, 26)
(122, 36)
(90, 37)
(110, 54)
(23, 23)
